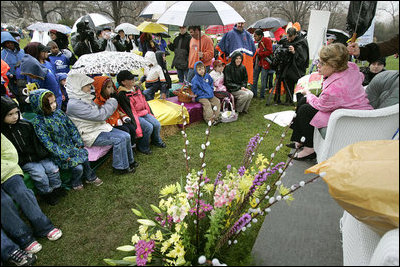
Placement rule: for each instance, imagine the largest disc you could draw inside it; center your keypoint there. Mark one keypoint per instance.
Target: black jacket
(368, 75)
(299, 61)
(80, 44)
(160, 61)
(181, 58)
(22, 135)
(235, 77)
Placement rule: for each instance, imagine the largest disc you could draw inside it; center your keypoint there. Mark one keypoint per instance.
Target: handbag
(228, 115)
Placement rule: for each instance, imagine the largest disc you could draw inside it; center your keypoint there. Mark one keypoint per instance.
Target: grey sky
(382, 15)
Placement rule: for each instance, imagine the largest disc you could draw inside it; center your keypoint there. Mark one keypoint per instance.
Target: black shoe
(162, 145)
(50, 198)
(125, 171)
(311, 156)
(60, 191)
(293, 145)
(22, 258)
(135, 164)
(148, 152)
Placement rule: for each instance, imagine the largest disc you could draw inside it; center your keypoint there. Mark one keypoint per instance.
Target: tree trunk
(43, 13)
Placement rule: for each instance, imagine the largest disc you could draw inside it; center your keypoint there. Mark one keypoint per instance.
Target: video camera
(85, 31)
(281, 57)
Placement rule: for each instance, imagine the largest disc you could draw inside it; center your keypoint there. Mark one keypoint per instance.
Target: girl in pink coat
(342, 89)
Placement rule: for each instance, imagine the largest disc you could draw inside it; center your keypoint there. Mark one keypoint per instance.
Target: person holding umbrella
(241, 40)
(181, 47)
(205, 54)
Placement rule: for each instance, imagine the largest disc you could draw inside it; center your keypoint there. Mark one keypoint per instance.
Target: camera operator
(84, 40)
(296, 64)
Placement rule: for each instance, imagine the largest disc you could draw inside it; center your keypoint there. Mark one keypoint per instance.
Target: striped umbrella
(216, 29)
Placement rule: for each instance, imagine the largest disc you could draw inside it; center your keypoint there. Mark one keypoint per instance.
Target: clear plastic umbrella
(128, 28)
(45, 27)
(108, 62)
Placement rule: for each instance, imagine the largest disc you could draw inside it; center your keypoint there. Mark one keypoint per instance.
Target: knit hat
(124, 75)
(381, 60)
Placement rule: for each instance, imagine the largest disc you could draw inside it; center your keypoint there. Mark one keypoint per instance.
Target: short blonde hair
(335, 55)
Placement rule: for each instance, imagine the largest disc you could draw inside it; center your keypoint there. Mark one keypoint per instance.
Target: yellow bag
(364, 179)
(168, 113)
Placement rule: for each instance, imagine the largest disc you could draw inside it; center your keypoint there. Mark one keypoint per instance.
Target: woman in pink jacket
(342, 89)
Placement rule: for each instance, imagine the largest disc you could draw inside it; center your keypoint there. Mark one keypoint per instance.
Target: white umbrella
(108, 62)
(128, 28)
(155, 9)
(95, 20)
(187, 13)
(45, 27)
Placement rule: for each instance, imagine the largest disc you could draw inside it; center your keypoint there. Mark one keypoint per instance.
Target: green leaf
(131, 259)
(117, 262)
(146, 222)
(138, 213)
(126, 248)
(155, 209)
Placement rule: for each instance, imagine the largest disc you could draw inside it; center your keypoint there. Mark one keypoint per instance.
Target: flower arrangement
(195, 222)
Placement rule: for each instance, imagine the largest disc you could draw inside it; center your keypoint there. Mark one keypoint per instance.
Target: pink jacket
(340, 90)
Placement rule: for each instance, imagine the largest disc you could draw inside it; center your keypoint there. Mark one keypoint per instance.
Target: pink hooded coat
(340, 90)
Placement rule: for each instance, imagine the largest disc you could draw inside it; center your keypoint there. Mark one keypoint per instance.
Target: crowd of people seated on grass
(73, 111)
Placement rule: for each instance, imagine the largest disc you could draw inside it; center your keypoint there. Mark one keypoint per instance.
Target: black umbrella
(267, 24)
(341, 36)
(359, 17)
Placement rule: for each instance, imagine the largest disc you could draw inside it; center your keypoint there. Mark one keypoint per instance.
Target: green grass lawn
(95, 221)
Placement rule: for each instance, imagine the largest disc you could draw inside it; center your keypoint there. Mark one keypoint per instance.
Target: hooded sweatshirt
(22, 135)
(100, 83)
(47, 80)
(235, 76)
(153, 73)
(89, 118)
(202, 86)
(57, 133)
(163, 64)
(11, 57)
(9, 160)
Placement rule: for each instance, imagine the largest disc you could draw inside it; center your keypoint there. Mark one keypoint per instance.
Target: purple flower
(262, 176)
(143, 249)
(241, 171)
(245, 219)
(228, 167)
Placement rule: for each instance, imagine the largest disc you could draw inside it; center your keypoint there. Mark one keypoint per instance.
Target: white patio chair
(347, 126)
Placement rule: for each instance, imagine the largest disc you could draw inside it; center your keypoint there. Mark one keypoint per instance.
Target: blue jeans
(81, 170)
(256, 73)
(12, 190)
(151, 90)
(122, 148)
(7, 246)
(45, 175)
(151, 127)
(182, 75)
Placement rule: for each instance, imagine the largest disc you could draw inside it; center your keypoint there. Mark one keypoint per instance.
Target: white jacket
(88, 117)
(154, 72)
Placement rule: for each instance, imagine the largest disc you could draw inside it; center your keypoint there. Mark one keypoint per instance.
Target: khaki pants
(242, 99)
(208, 105)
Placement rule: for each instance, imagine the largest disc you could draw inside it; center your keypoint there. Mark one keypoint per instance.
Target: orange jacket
(99, 83)
(207, 47)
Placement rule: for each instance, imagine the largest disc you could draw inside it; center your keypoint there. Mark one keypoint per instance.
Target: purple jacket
(340, 90)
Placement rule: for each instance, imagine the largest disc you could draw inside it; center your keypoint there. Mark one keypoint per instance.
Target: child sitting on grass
(61, 137)
(33, 157)
(134, 104)
(202, 87)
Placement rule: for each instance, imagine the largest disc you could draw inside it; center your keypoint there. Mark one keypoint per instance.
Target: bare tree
(121, 11)
(392, 10)
(47, 7)
(16, 9)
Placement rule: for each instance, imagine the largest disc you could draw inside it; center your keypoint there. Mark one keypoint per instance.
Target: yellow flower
(168, 190)
(165, 246)
(253, 203)
(159, 236)
(146, 222)
(174, 238)
(180, 250)
(180, 261)
(178, 227)
(208, 188)
(143, 229)
(135, 239)
(283, 191)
